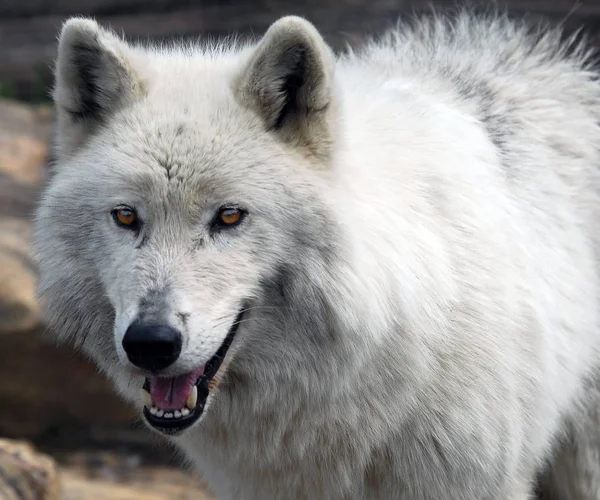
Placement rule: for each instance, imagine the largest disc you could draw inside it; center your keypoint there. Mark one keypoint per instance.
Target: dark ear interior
(293, 78)
(88, 62)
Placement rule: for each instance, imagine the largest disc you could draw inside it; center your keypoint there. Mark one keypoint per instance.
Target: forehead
(178, 147)
(188, 138)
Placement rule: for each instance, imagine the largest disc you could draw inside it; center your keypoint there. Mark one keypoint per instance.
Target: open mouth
(173, 404)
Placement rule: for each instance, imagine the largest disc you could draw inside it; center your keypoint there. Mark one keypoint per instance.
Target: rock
(19, 309)
(145, 483)
(26, 474)
(57, 399)
(24, 133)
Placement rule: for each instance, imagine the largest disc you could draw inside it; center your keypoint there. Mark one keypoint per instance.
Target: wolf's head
(186, 239)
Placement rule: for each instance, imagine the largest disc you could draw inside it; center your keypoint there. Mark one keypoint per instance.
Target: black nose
(150, 346)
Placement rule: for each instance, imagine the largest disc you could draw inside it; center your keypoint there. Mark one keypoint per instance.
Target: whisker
(227, 316)
(243, 320)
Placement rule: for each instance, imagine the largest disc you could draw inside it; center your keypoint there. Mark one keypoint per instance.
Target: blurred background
(63, 432)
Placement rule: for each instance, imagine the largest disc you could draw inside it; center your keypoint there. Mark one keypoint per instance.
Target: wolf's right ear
(93, 79)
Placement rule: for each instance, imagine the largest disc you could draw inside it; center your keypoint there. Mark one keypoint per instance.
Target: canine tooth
(153, 410)
(185, 412)
(146, 398)
(177, 414)
(192, 398)
(168, 415)
(159, 413)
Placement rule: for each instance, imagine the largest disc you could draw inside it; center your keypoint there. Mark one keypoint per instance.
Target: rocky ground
(27, 474)
(50, 396)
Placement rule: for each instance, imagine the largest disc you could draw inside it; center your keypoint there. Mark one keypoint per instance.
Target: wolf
(356, 275)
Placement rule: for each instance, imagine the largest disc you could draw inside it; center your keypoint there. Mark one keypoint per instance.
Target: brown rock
(26, 474)
(146, 483)
(19, 309)
(54, 397)
(24, 133)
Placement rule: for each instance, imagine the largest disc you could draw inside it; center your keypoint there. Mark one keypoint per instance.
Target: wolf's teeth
(153, 410)
(192, 398)
(160, 413)
(168, 415)
(185, 412)
(177, 414)
(146, 398)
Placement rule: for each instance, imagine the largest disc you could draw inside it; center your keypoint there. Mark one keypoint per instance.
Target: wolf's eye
(125, 217)
(228, 217)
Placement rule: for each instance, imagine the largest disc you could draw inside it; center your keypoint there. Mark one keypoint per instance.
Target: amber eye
(125, 217)
(229, 216)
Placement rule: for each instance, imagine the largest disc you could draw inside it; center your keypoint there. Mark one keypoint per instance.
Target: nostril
(152, 346)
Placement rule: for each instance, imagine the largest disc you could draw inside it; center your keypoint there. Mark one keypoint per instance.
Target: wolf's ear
(289, 82)
(93, 79)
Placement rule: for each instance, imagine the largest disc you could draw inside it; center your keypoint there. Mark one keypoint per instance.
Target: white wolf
(373, 275)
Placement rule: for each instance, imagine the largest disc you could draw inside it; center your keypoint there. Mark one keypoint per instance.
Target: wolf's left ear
(289, 82)
(94, 78)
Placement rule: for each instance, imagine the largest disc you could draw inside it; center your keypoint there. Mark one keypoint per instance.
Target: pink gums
(171, 393)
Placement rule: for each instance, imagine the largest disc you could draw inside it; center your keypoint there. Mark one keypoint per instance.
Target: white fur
(422, 253)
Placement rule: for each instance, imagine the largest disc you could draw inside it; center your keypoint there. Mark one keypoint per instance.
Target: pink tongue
(172, 393)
